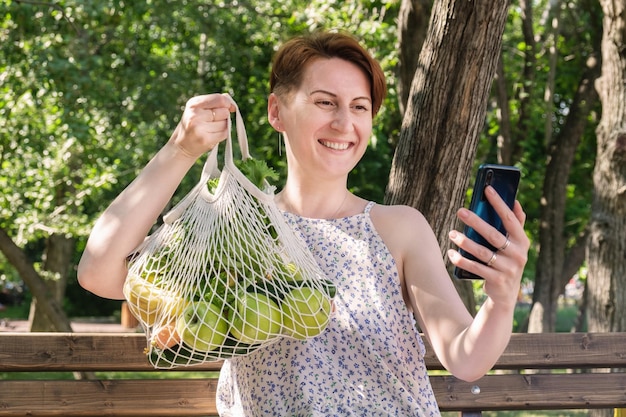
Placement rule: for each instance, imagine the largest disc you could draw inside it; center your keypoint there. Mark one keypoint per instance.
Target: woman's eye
(325, 103)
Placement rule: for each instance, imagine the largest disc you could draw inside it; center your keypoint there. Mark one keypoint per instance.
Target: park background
(89, 91)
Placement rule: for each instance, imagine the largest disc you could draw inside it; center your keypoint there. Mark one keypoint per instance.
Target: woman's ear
(273, 112)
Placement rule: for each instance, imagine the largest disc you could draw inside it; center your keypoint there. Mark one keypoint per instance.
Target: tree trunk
(505, 140)
(446, 112)
(524, 91)
(551, 45)
(412, 27)
(561, 154)
(607, 245)
(49, 306)
(57, 260)
(581, 315)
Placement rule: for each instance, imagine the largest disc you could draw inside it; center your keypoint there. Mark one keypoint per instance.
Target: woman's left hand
(503, 268)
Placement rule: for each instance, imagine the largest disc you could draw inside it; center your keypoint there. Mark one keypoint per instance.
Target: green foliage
(257, 171)
(565, 317)
(17, 312)
(576, 43)
(90, 90)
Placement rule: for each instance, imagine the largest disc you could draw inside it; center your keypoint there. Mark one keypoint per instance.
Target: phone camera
(489, 177)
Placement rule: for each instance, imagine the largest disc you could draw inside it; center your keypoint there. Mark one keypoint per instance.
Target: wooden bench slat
(557, 351)
(125, 351)
(122, 397)
(83, 352)
(531, 392)
(196, 397)
(565, 350)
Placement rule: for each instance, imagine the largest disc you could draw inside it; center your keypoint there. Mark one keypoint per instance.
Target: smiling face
(327, 120)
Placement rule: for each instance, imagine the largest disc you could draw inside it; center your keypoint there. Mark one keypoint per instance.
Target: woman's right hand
(203, 125)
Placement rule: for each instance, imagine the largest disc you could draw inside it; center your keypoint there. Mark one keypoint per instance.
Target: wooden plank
(125, 351)
(38, 352)
(155, 398)
(21, 352)
(565, 350)
(196, 397)
(531, 392)
(557, 351)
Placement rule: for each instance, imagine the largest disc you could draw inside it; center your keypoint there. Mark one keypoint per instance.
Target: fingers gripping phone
(505, 180)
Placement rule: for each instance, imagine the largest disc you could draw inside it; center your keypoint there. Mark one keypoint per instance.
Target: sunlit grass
(525, 413)
(109, 375)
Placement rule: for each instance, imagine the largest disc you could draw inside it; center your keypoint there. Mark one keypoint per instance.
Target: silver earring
(280, 147)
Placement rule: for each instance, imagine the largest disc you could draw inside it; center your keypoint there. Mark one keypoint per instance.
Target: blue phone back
(505, 180)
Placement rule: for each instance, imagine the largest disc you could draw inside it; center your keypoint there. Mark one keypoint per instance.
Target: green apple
(202, 326)
(255, 318)
(305, 312)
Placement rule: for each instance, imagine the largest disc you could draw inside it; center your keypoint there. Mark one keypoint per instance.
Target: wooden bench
(538, 371)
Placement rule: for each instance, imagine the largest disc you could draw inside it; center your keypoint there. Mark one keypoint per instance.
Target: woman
(384, 260)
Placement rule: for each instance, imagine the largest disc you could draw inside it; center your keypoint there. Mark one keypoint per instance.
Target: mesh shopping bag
(225, 274)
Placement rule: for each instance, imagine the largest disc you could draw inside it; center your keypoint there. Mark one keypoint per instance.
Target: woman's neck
(319, 202)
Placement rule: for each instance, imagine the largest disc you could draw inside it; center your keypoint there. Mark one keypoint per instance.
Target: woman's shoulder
(397, 215)
(399, 225)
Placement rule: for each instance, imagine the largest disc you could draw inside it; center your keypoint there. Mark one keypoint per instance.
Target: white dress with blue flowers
(367, 363)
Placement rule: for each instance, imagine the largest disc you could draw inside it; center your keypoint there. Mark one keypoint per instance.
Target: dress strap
(368, 207)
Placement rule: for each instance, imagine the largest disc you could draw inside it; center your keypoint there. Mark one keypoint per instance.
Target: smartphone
(505, 180)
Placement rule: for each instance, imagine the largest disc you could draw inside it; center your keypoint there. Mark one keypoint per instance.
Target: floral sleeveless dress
(368, 362)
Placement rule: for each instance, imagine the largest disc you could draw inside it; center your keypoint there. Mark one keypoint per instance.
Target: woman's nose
(342, 120)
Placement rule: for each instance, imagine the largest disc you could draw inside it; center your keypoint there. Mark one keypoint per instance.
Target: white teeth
(335, 145)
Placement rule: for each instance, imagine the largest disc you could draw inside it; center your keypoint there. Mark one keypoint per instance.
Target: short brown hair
(293, 56)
